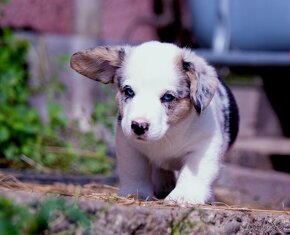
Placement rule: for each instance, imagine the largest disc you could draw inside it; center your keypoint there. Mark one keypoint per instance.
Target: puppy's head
(159, 84)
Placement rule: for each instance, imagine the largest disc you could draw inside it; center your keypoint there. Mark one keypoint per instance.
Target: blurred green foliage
(105, 112)
(18, 123)
(55, 144)
(52, 216)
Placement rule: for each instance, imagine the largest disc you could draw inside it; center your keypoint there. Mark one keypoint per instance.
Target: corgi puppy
(176, 118)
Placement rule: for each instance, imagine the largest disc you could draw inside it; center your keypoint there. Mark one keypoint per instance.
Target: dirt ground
(119, 215)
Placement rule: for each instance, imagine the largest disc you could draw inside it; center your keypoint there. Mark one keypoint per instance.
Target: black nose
(139, 128)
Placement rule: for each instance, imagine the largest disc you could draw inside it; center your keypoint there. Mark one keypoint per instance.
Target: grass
(52, 216)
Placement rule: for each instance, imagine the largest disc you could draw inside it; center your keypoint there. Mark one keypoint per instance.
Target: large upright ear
(203, 79)
(100, 63)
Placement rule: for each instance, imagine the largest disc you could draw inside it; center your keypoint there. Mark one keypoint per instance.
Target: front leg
(134, 170)
(196, 177)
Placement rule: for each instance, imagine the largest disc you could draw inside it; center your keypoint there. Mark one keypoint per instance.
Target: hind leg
(163, 182)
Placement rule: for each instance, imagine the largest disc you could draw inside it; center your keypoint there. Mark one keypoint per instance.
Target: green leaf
(11, 152)
(4, 134)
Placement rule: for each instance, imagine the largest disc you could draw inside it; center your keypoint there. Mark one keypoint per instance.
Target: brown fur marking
(178, 109)
(120, 103)
(99, 64)
(202, 78)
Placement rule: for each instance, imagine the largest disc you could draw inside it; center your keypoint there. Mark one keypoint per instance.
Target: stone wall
(105, 20)
(122, 21)
(51, 16)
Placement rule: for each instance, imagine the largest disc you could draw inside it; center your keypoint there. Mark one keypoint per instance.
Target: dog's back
(230, 112)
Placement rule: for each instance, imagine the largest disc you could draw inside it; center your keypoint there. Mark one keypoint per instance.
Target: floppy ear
(203, 79)
(99, 64)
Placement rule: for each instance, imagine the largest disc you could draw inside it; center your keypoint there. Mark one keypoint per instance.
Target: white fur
(192, 147)
(150, 77)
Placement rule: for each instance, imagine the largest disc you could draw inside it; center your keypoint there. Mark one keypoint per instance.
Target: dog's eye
(128, 92)
(167, 98)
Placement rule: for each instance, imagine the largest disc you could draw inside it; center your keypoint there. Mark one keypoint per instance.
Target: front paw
(138, 193)
(185, 199)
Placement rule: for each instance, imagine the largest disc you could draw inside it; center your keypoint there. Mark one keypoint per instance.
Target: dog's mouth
(145, 138)
(141, 138)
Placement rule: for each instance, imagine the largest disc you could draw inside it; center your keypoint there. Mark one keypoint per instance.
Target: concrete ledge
(113, 218)
(235, 185)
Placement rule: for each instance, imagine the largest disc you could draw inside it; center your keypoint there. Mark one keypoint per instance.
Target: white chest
(170, 152)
